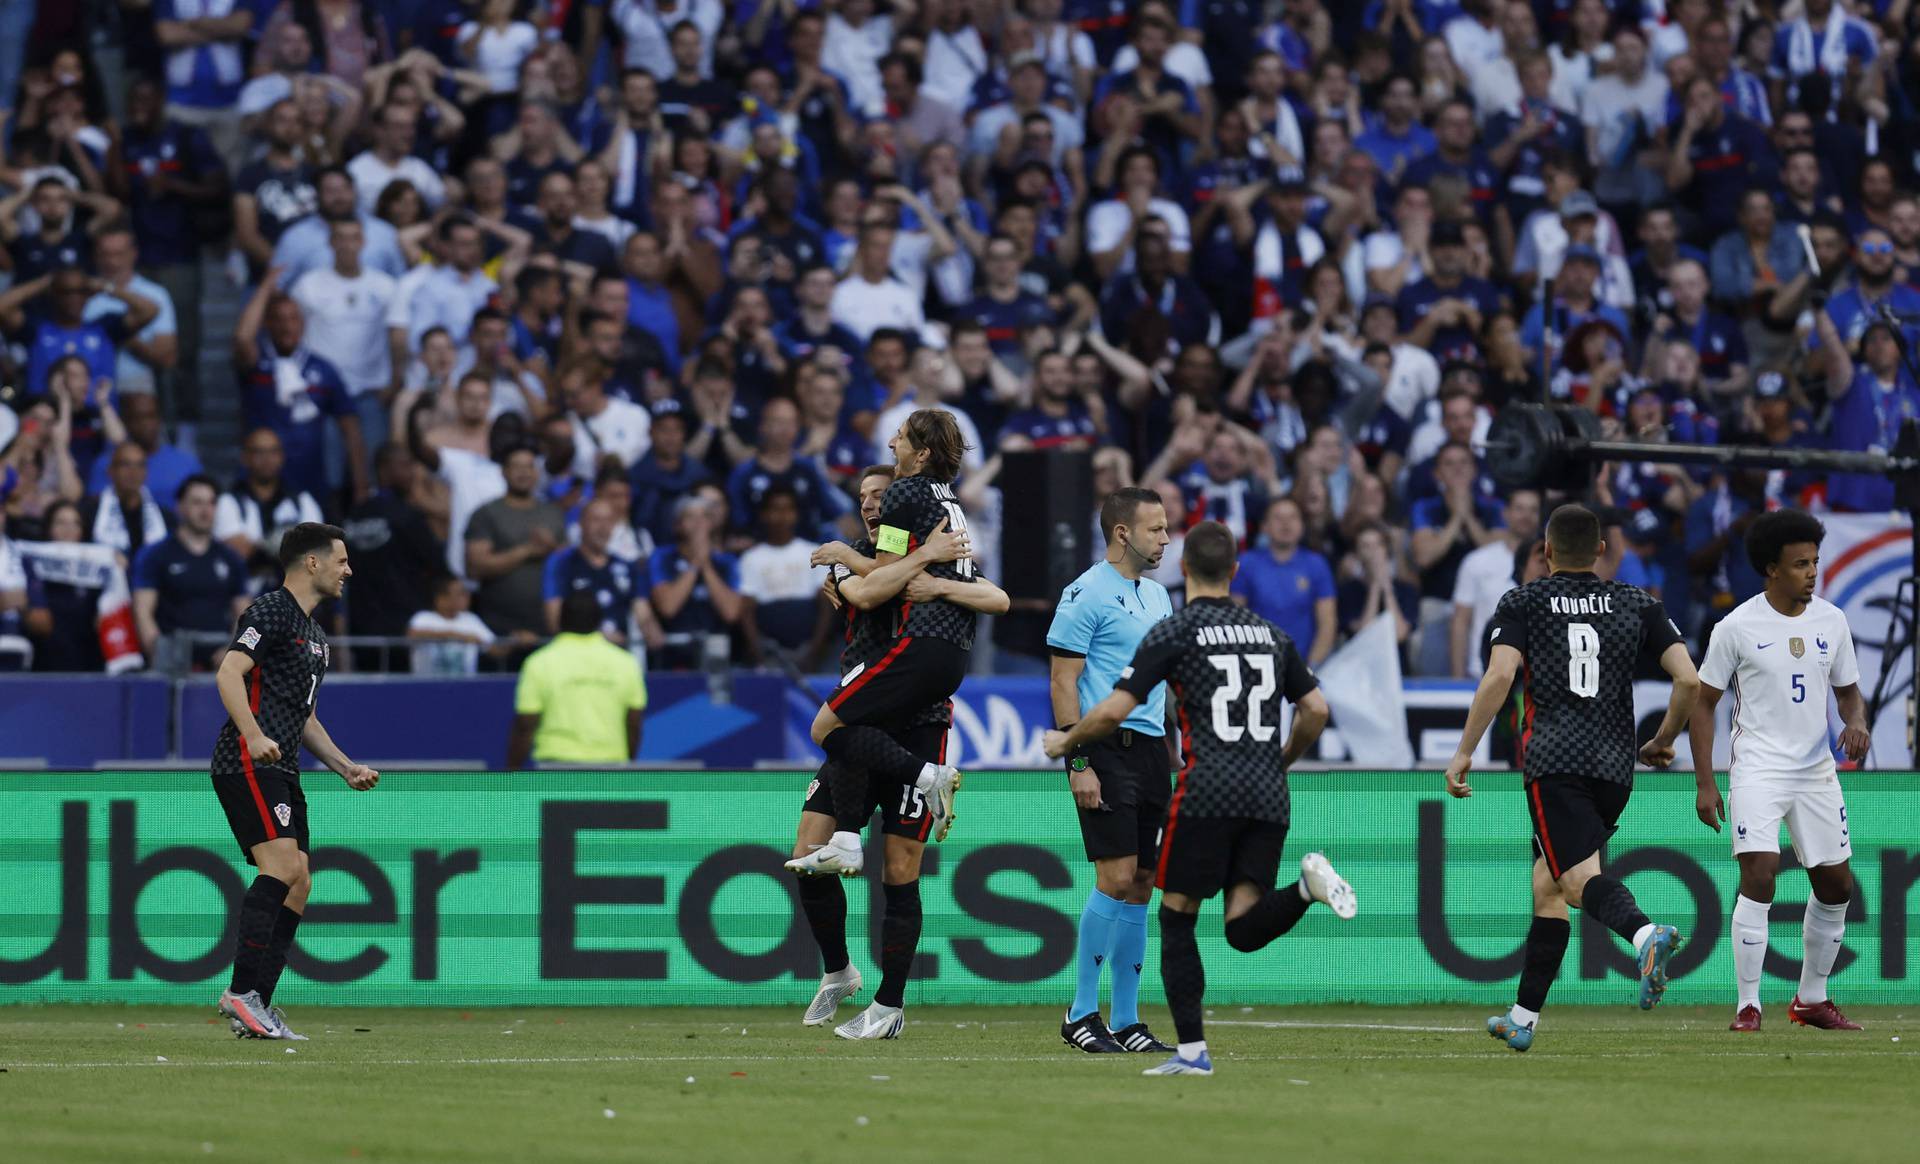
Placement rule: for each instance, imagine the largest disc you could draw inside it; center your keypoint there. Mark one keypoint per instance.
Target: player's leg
(1573, 817)
(838, 850)
(1755, 808)
(850, 728)
(1110, 835)
(287, 923)
(1194, 864)
(1546, 947)
(823, 899)
(281, 865)
(1817, 822)
(1127, 957)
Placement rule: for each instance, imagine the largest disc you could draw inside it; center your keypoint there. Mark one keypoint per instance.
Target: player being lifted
(1780, 653)
(268, 682)
(905, 819)
(1228, 669)
(1575, 639)
(926, 652)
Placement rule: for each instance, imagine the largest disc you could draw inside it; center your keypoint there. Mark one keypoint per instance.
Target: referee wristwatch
(1077, 763)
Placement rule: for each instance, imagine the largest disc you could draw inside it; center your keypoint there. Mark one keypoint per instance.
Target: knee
(1240, 935)
(1140, 890)
(1572, 889)
(1116, 879)
(902, 864)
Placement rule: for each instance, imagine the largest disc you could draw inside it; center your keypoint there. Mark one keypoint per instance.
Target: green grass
(1315, 1085)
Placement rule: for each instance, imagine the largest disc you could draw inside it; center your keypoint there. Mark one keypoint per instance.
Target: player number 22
(1583, 659)
(1230, 687)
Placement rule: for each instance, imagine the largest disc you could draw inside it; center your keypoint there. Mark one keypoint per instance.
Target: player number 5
(1799, 689)
(1583, 659)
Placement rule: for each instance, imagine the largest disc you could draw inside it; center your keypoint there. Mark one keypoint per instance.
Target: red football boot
(1747, 1020)
(1823, 1015)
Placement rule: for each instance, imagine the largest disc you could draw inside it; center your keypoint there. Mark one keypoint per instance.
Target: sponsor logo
(284, 813)
(852, 675)
(1761, 646)
(250, 638)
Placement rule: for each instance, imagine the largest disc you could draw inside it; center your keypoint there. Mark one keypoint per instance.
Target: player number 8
(1583, 663)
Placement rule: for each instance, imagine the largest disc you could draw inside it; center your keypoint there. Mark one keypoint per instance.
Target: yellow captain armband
(891, 540)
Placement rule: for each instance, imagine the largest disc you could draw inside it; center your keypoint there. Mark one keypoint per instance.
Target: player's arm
(979, 595)
(1310, 716)
(892, 571)
(520, 740)
(1064, 685)
(1707, 803)
(1855, 737)
(1660, 634)
(1097, 724)
(231, 682)
(359, 777)
(1502, 665)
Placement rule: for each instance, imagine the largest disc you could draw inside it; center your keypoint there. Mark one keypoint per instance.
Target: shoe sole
(1338, 895)
(946, 808)
(840, 869)
(1170, 1074)
(823, 1020)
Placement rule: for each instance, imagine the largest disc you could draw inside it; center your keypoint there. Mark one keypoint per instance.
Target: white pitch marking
(1307, 1026)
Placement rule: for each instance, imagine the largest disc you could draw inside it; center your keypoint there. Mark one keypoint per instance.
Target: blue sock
(1129, 954)
(1096, 938)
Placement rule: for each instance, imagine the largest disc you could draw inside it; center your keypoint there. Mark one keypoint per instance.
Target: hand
(1457, 785)
(360, 778)
(1855, 742)
(1708, 806)
(830, 590)
(1054, 743)
(1086, 789)
(542, 539)
(923, 588)
(944, 545)
(261, 749)
(831, 554)
(1655, 753)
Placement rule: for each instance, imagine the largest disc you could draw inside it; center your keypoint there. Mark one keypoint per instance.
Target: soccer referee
(1121, 783)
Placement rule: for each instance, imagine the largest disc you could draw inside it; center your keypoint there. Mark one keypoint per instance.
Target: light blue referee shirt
(1104, 615)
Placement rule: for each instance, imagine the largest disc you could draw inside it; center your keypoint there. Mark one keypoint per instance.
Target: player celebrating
(1120, 784)
(905, 819)
(1578, 638)
(268, 682)
(1227, 822)
(1781, 652)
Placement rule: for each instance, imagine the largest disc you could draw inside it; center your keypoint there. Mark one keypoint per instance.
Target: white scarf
(91, 567)
(290, 385)
(1833, 46)
(224, 55)
(110, 522)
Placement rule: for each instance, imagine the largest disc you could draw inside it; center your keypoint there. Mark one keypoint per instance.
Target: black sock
(899, 941)
(1612, 904)
(1546, 946)
(863, 751)
(1270, 917)
(259, 909)
(824, 901)
(283, 931)
(1182, 974)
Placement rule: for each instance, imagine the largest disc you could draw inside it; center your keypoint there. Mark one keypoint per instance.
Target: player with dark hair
(1780, 653)
(1576, 639)
(1120, 785)
(907, 815)
(268, 683)
(1228, 668)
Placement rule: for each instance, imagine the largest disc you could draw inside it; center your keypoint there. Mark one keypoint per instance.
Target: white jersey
(1781, 672)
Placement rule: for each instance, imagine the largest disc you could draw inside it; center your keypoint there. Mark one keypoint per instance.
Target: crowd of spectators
(619, 298)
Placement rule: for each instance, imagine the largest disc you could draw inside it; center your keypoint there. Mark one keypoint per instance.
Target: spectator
(1215, 470)
(1872, 400)
(1374, 586)
(450, 295)
(471, 478)
(508, 540)
(1824, 43)
(37, 467)
(1114, 224)
(345, 307)
(1443, 313)
(188, 582)
(59, 235)
(489, 356)
(168, 466)
(1287, 584)
(23, 606)
(1005, 308)
(1156, 310)
(1449, 527)
(252, 515)
(153, 353)
(1873, 289)
(72, 589)
(665, 473)
(307, 243)
(580, 698)
(780, 588)
(1718, 341)
(1395, 138)
(695, 585)
(775, 465)
(1058, 419)
(603, 426)
(558, 235)
(205, 40)
(1485, 574)
(276, 189)
(619, 587)
(125, 515)
(447, 636)
(804, 334)
(931, 376)
(289, 390)
(1457, 158)
(1716, 157)
(395, 553)
(1552, 332)
(48, 316)
(870, 297)
(1716, 532)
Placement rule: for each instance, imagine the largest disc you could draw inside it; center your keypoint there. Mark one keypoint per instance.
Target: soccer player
(906, 819)
(268, 682)
(1227, 822)
(1578, 639)
(1120, 784)
(1781, 652)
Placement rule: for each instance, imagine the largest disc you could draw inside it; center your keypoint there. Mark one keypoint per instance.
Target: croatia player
(1780, 653)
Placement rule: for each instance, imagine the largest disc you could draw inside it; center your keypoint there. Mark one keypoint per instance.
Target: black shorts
(1572, 817)
(1201, 855)
(910, 676)
(903, 809)
(262, 805)
(1135, 781)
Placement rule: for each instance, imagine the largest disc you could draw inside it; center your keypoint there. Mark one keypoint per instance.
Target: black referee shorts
(902, 807)
(911, 675)
(1572, 817)
(1201, 855)
(262, 804)
(1135, 781)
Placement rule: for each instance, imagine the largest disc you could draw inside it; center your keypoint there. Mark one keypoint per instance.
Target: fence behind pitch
(652, 888)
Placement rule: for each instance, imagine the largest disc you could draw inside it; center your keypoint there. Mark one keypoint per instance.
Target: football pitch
(115, 1084)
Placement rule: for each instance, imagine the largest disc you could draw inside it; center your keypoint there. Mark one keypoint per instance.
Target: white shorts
(1815, 813)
